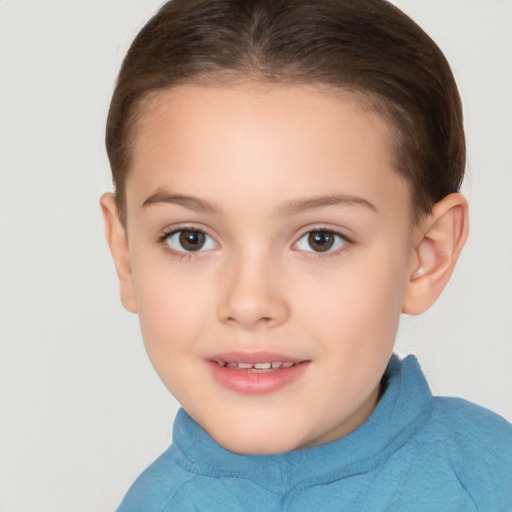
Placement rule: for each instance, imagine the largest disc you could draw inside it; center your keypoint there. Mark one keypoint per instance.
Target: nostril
(252, 311)
(249, 323)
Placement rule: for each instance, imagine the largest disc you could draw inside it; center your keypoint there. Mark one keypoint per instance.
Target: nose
(253, 295)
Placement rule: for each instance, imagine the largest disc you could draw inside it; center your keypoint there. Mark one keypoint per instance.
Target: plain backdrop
(81, 410)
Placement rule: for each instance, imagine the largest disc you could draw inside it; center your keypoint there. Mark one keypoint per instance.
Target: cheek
(170, 308)
(360, 306)
(171, 318)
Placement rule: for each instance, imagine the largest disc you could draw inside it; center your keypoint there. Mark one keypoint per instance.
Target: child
(286, 185)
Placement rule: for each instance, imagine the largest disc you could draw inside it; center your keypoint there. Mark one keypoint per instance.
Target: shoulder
(472, 429)
(159, 484)
(478, 444)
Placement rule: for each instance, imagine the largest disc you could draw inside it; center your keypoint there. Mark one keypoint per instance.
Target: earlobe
(117, 240)
(441, 237)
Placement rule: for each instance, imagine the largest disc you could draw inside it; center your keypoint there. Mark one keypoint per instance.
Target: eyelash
(347, 242)
(188, 255)
(180, 255)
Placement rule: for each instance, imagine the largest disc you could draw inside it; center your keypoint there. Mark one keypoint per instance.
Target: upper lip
(254, 358)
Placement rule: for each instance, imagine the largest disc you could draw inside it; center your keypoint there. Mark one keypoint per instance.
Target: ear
(439, 241)
(117, 240)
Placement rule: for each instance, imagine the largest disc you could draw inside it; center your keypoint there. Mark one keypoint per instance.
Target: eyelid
(185, 226)
(336, 230)
(166, 233)
(347, 241)
(209, 242)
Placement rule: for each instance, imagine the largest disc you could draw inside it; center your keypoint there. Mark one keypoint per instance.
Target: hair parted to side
(368, 47)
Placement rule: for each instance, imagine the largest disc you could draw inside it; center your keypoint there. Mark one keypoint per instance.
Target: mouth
(257, 367)
(256, 373)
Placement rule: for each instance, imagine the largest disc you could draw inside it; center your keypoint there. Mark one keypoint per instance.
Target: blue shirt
(415, 453)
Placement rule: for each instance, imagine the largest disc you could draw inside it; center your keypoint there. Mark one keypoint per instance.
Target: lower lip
(255, 383)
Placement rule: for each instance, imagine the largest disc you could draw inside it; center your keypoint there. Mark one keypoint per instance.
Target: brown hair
(365, 46)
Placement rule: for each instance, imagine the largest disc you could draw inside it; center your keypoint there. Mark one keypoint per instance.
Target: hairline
(366, 100)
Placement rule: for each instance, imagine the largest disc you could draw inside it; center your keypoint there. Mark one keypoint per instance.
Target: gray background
(81, 410)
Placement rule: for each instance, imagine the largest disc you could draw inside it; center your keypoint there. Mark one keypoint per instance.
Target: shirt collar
(404, 406)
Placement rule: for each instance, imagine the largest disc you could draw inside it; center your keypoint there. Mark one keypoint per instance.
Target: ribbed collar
(403, 408)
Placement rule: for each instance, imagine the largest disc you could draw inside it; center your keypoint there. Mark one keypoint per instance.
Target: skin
(273, 164)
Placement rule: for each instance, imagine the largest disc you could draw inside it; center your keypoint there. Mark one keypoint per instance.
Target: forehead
(275, 141)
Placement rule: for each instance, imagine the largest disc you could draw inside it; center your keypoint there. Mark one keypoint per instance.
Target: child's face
(268, 226)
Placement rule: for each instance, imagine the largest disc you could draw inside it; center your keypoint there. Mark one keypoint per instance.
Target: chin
(261, 442)
(254, 447)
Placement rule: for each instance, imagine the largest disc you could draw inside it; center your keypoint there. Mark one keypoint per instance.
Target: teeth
(256, 366)
(261, 366)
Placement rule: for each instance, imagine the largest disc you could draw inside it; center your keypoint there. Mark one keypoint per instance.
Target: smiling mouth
(257, 367)
(256, 374)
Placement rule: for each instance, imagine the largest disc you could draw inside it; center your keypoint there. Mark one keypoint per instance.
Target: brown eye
(321, 241)
(190, 240)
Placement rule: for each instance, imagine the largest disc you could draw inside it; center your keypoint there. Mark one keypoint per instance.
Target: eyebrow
(192, 203)
(292, 207)
(296, 206)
